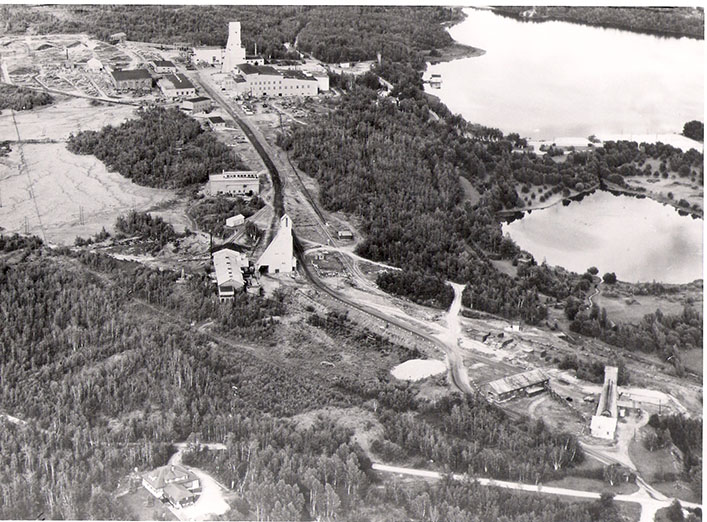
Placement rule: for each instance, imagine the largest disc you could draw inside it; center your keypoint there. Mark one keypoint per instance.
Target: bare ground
(63, 184)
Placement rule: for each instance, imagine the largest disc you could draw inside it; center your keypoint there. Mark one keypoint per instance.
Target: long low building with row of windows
(264, 80)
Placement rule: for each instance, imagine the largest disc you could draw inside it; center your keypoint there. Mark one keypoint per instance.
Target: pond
(555, 79)
(637, 238)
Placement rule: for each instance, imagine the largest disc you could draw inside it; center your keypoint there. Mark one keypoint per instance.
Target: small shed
(235, 221)
(345, 234)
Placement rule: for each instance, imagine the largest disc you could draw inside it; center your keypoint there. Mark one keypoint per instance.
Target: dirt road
(211, 502)
(649, 505)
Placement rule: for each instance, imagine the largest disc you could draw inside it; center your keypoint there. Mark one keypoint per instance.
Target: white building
(163, 66)
(229, 265)
(234, 183)
(209, 55)
(279, 255)
(94, 65)
(264, 80)
(235, 221)
(603, 424)
(176, 86)
(199, 104)
(235, 52)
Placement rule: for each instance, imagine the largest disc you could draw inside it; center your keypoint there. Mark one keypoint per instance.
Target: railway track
(456, 371)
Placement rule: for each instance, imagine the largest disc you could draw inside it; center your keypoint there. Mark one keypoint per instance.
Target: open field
(681, 188)
(64, 187)
(57, 121)
(627, 308)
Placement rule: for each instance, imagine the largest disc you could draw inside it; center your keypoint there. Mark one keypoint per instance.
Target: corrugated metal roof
(518, 381)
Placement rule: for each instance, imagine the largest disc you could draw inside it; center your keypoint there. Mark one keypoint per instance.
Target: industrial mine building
(524, 384)
(234, 183)
(603, 424)
(235, 273)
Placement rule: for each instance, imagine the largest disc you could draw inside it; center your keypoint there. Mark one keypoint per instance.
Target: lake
(638, 239)
(553, 79)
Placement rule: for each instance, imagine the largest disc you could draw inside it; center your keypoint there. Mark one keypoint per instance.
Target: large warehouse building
(521, 384)
(603, 424)
(263, 80)
(234, 183)
(229, 266)
(134, 79)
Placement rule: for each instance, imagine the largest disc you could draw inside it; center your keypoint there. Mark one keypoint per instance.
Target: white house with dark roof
(176, 86)
(198, 104)
(163, 66)
(179, 486)
(135, 79)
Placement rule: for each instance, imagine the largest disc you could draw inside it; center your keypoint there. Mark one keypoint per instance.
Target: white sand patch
(416, 369)
(65, 187)
(60, 119)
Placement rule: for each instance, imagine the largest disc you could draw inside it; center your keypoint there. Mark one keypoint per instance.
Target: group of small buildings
(235, 273)
(174, 484)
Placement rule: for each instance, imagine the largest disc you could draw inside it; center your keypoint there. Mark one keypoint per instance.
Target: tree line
(162, 148)
(672, 21)
(20, 98)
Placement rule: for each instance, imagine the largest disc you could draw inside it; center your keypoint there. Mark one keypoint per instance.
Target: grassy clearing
(692, 359)
(652, 463)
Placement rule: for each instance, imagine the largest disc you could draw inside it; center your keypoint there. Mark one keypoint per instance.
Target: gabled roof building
(229, 265)
(279, 255)
(521, 384)
(173, 483)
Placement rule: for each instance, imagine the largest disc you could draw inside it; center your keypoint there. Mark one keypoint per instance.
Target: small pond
(637, 238)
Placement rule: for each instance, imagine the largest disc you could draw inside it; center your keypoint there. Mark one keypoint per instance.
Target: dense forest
(694, 130)
(673, 21)
(115, 373)
(20, 98)
(396, 164)
(686, 434)
(424, 289)
(332, 34)
(162, 148)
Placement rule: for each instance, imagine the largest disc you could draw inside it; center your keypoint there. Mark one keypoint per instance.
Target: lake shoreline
(512, 214)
